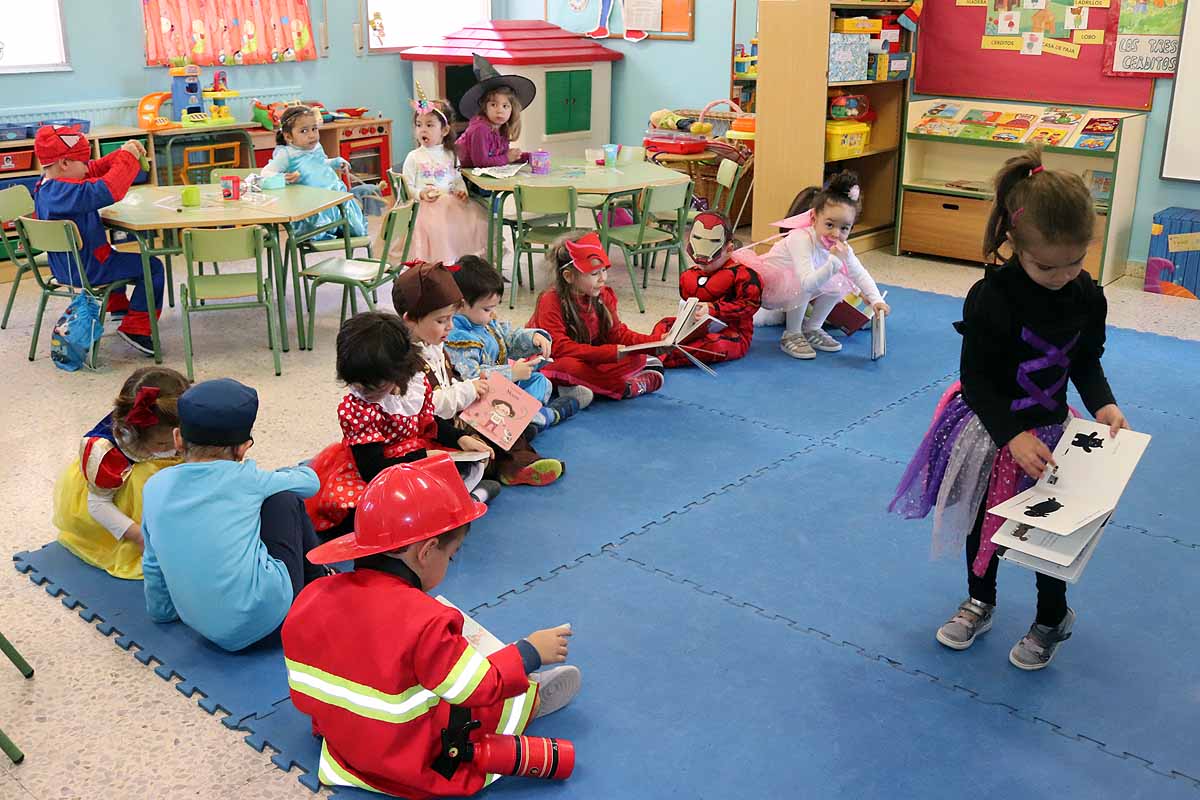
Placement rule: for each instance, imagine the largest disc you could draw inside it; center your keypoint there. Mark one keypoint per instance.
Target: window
(393, 25)
(31, 39)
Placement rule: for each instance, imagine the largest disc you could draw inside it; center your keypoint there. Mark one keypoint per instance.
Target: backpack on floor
(75, 332)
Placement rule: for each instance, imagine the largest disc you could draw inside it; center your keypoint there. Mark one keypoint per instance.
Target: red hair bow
(143, 414)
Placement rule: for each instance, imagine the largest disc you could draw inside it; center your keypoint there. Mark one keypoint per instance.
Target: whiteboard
(31, 36)
(393, 25)
(1181, 156)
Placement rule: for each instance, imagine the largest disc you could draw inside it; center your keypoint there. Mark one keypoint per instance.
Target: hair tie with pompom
(1036, 170)
(854, 193)
(143, 413)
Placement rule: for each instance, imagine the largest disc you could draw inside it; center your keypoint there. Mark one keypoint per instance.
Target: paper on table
(502, 171)
(643, 15)
(479, 637)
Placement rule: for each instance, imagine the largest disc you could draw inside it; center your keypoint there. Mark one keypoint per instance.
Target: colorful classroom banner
(227, 32)
(1060, 48)
(1142, 38)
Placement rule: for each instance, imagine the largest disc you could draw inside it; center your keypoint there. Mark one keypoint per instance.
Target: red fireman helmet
(403, 505)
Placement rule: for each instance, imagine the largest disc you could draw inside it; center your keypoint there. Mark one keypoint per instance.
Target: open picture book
(502, 414)
(1054, 527)
(685, 325)
(479, 637)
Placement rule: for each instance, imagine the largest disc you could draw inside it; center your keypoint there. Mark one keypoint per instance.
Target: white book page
(1062, 550)
(479, 637)
(1070, 574)
(878, 337)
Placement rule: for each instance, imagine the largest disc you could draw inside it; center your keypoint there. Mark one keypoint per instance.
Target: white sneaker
(581, 394)
(796, 346)
(820, 340)
(557, 687)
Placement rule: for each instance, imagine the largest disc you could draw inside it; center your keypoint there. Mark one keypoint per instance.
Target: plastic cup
(610, 154)
(190, 196)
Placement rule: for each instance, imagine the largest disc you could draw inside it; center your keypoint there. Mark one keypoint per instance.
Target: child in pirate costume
(427, 298)
(74, 187)
(730, 291)
(404, 704)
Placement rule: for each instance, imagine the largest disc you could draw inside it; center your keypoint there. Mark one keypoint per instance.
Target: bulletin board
(581, 16)
(951, 61)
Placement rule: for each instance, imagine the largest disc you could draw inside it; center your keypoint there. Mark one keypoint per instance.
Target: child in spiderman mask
(731, 292)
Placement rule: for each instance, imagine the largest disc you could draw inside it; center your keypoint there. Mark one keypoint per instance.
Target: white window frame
(484, 13)
(60, 66)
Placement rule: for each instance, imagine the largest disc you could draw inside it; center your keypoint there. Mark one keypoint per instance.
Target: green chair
(642, 242)
(60, 236)
(250, 289)
(362, 275)
(11, 750)
(729, 177)
(595, 202)
(16, 201)
(554, 208)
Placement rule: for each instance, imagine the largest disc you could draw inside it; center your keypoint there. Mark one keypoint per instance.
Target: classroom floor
(95, 722)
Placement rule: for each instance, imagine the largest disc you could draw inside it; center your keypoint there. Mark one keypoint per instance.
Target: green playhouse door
(568, 101)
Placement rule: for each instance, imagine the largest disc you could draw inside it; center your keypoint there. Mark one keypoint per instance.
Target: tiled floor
(96, 723)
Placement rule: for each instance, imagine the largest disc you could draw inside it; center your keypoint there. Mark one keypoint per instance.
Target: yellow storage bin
(858, 25)
(845, 138)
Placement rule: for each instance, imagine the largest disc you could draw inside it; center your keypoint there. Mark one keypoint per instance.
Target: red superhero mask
(711, 233)
(587, 254)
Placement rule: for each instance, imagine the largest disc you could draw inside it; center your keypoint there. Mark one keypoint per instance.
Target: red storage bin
(16, 160)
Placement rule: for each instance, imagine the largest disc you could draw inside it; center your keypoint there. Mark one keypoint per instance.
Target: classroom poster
(1053, 19)
(1142, 38)
(227, 32)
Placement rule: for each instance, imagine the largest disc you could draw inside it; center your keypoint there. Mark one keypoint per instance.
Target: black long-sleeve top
(370, 460)
(1022, 341)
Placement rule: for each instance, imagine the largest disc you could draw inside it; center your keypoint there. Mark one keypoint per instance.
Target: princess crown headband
(422, 104)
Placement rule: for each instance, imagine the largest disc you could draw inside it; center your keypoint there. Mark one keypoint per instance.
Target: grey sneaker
(820, 340)
(973, 619)
(1038, 647)
(557, 686)
(796, 346)
(580, 394)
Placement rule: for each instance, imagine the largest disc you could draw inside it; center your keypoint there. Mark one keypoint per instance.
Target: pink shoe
(635, 35)
(644, 383)
(599, 33)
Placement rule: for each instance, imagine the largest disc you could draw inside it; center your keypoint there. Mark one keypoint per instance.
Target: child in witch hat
(405, 705)
(494, 106)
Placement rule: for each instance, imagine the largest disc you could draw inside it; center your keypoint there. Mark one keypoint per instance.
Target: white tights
(822, 304)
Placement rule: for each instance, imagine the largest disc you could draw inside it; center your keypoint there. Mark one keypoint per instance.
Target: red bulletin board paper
(951, 62)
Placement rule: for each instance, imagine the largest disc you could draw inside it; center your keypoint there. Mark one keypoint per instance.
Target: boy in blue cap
(225, 541)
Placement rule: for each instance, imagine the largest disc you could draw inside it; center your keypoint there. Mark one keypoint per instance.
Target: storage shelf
(866, 83)
(872, 151)
(871, 6)
(940, 187)
(926, 137)
(23, 173)
(745, 79)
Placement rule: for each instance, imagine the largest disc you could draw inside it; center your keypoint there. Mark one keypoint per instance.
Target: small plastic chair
(225, 244)
(11, 750)
(729, 177)
(643, 241)
(595, 202)
(364, 275)
(60, 236)
(16, 201)
(545, 205)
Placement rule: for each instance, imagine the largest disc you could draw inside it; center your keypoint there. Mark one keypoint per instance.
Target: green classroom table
(147, 211)
(624, 178)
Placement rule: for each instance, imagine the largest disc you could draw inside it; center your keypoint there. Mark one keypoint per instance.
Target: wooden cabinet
(568, 101)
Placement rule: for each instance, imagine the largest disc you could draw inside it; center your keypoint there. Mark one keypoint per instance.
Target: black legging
(1051, 592)
(288, 534)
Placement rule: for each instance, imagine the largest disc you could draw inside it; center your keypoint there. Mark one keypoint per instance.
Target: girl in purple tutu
(1030, 324)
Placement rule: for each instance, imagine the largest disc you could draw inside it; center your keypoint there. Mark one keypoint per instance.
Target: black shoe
(143, 344)
(486, 491)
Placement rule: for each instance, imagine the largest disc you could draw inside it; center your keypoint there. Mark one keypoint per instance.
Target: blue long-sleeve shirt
(204, 562)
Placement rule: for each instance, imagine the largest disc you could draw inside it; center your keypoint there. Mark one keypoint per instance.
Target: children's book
(1061, 550)
(1094, 141)
(1050, 135)
(714, 325)
(976, 131)
(1107, 125)
(878, 337)
(943, 111)
(685, 325)
(1016, 120)
(479, 637)
(502, 171)
(933, 126)
(1069, 573)
(981, 116)
(467, 456)
(503, 413)
(1085, 483)
(1100, 183)
(1068, 117)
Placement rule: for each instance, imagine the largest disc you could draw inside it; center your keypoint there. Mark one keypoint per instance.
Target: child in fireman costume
(75, 188)
(405, 704)
(730, 291)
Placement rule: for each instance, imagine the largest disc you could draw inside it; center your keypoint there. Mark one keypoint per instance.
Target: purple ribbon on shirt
(1052, 357)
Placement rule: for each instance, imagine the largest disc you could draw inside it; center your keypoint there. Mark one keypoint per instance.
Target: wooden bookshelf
(793, 49)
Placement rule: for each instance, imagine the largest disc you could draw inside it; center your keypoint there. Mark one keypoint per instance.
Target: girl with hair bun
(814, 265)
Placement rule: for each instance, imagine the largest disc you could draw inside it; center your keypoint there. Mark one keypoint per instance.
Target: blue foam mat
(240, 684)
(839, 563)
(749, 706)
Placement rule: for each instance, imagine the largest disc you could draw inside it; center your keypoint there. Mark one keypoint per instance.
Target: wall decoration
(600, 19)
(393, 25)
(227, 32)
(1142, 38)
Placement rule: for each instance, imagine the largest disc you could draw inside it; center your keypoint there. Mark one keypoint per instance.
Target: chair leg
(353, 300)
(15, 657)
(532, 290)
(170, 278)
(312, 317)
(637, 291)
(272, 339)
(345, 305)
(367, 296)
(11, 750)
(12, 295)
(186, 319)
(37, 324)
(100, 321)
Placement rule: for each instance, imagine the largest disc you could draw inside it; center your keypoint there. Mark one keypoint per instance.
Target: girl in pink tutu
(449, 225)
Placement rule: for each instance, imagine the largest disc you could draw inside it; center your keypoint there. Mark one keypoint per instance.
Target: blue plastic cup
(610, 154)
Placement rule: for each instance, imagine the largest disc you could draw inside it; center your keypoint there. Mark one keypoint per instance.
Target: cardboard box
(847, 57)
(857, 25)
(899, 65)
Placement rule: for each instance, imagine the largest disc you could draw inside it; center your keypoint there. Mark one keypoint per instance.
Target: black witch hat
(488, 78)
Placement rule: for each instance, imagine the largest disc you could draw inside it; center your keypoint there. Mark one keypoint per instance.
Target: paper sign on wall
(983, 3)
(643, 15)
(1093, 3)
(1183, 242)
(1061, 48)
(1032, 44)
(1001, 43)
(1143, 40)
(1088, 37)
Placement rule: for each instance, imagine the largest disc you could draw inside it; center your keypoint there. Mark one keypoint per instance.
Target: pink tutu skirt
(447, 229)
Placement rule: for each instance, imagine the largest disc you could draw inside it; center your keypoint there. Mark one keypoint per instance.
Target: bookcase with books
(953, 148)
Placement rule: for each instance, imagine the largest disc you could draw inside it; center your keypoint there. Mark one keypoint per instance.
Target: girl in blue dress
(300, 159)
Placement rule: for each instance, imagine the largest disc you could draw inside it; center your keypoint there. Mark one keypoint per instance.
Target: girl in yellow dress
(98, 497)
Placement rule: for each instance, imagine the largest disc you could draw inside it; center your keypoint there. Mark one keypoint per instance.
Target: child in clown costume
(728, 290)
(76, 188)
(299, 157)
(404, 704)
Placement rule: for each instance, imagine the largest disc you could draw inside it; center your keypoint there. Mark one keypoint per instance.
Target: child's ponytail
(841, 188)
(558, 259)
(1055, 203)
